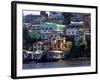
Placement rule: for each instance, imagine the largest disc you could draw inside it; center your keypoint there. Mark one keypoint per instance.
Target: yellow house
(67, 46)
(61, 45)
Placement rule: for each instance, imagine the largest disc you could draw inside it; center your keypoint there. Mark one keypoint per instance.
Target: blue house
(51, 27)
(48, 26)
(51, 30)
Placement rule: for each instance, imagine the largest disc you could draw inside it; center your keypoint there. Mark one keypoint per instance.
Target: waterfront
(56, 39)
(79, 62)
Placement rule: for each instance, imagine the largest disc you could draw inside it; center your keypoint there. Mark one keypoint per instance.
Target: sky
(32, 12)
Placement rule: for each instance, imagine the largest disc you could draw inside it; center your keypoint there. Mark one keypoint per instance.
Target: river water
(58, 64)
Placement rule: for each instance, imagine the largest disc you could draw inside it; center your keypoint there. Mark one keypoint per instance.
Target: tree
(25, 34)
(25, 37)
(67, 18)
(44, 15)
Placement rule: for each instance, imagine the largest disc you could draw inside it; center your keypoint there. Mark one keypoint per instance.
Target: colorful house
(51, 27)
(37, 46)
(56, 17)
(50, 36)
(72, 31)
(61, 45)
(47, 45)
(51, 30)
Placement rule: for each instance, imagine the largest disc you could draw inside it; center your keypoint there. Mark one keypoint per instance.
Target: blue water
(57, 64)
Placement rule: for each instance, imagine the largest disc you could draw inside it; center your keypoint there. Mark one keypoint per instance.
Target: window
(58, 46)
(66, 45)
(59, 41)
(34, 44)
(49, 43)
(69, 46)
(72, 32)
(54, 46)
(34, 49)
(51, 36)
(68, 32)
(42, 36)
(55, 35)
(38, 44)
(46, 28)
(50, 28)
(76, 32)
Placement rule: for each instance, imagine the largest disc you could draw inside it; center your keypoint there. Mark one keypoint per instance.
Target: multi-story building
(75, 34)
(50, 36)
(51, 31)
(37, 46)
(47, 45)
(56, 17)
(76, 31)
(32, 19)
(72, 31)
(61, 45)
(51, 27)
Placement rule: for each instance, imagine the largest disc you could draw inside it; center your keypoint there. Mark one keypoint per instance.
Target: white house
(37, 46)
(72, 31)
(50, 36)
(57, 15)
(79, 37)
